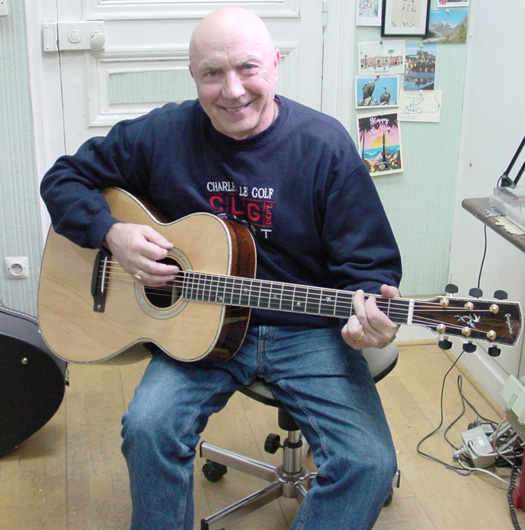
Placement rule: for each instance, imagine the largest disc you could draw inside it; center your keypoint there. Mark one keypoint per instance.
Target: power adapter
(477, 447)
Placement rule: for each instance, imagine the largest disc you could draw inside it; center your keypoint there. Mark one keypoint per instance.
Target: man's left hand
(369, 326)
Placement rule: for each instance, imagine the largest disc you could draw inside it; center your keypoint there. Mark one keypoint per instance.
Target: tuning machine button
(469, 347)
(451, 289)
(494, 351)
(445, 344)
(500, 295)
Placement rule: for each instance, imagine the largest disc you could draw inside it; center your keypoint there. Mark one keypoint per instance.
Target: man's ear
(277, 62)
(191, 71)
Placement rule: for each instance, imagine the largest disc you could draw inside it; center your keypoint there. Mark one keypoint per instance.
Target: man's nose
(233, 87)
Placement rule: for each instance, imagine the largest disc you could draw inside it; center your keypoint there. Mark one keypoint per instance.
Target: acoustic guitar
(91, 310)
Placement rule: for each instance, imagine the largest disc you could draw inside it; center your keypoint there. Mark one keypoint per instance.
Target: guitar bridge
(99, 280)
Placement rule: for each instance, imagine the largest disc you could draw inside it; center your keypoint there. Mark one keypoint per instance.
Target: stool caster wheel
(214, 471)
(272, 443)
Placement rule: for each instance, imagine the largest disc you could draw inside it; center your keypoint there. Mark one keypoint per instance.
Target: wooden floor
(71, 475)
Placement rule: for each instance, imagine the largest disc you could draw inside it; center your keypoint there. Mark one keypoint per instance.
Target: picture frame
(405, 18)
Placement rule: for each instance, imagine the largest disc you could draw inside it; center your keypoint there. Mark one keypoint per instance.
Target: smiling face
(235, 66)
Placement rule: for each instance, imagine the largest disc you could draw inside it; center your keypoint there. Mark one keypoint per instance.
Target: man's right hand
(138, 249)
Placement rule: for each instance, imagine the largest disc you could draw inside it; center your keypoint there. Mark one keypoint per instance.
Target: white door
(140, 56)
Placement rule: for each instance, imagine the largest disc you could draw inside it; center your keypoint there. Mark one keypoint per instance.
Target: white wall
(493, 125)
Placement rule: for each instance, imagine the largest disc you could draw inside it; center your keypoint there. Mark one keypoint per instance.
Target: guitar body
(32, 379)
(187, 330)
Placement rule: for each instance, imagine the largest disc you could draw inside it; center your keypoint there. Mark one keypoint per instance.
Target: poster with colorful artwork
(380, 143)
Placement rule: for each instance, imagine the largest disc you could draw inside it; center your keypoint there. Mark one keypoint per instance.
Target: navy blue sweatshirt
(300, 186)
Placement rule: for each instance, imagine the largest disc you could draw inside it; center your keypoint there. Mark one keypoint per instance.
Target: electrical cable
(456, 469)
(472, 469)
(510, 500)
(485, 246)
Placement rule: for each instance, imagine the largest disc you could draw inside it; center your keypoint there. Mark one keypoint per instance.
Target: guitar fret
(313, 301)
(275, 300)
(327, 303)
(299, 299)
(220, 295)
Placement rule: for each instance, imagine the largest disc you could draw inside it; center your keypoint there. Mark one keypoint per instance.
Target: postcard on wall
(420, 67)
(377, 91)
(447, 26)
(383, 58)
(368, 12)
(452, 3)
(420, 106)
(380, 143)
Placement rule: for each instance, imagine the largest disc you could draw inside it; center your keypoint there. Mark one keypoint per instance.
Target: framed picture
(405, 18)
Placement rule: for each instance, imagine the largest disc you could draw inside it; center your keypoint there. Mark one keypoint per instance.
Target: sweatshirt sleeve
(362, 250)
(71, 188)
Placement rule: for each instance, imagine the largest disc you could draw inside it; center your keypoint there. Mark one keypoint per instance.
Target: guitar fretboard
(277, 296)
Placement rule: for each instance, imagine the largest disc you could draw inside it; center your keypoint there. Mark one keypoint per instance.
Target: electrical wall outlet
(3, 8)
(17, 268)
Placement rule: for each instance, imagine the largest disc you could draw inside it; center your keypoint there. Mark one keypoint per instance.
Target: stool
(291, 479)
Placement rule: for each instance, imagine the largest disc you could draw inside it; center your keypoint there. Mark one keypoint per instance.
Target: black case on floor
(32, 379)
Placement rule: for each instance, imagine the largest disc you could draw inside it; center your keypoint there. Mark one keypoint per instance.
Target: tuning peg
(500, 295)
(494, 351)
(445, 344)
(475, 292)
(451, 288)
(469, 347)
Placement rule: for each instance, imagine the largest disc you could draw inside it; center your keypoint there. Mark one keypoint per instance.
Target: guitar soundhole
(167, 295)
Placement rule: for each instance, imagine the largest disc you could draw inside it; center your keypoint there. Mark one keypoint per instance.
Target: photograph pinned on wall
(380, 143)
(447, 26)
(383, 58)
(377, 91)
(442, 4)
(420, 67)
(405, 18)
(368, 12)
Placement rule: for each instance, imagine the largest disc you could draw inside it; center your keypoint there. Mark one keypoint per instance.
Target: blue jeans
(324, 384)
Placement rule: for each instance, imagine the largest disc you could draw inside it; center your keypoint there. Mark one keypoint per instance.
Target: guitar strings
(266, 290)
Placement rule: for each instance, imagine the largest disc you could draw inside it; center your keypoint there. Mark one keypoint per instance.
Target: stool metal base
(290, 480)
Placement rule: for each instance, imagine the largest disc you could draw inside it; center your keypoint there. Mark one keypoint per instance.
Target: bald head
(226, 26)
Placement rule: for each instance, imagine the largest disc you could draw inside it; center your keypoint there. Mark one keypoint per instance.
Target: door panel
(144, 62)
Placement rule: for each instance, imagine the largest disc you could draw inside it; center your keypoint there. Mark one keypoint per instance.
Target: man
(293, 175)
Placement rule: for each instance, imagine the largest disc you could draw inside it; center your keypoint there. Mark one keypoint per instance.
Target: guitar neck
(278, 296)
(485, 320)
